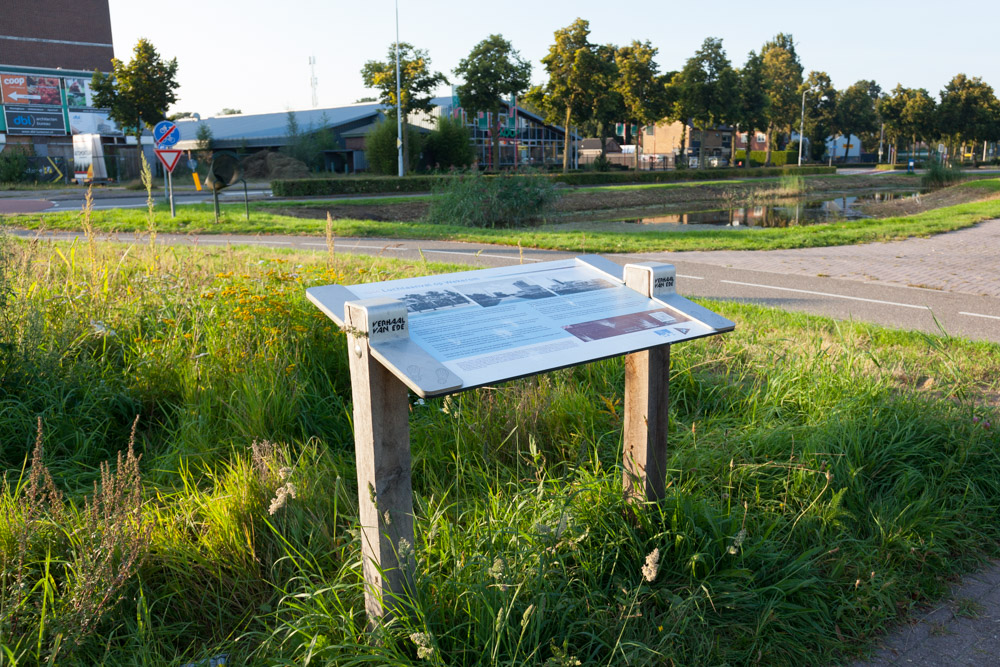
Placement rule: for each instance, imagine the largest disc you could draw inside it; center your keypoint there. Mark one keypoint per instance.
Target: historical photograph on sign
(623, 324)
(494, 293)
(433, 300)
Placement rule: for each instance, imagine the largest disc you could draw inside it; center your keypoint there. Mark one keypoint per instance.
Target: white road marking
(835, 296)
(992, 317)
(681, 275)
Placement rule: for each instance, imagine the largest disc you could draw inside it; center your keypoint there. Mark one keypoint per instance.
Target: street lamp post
(802, 126)
(399, 103)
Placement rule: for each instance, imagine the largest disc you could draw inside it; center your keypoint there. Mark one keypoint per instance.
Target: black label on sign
(34, 122)
(664, 282)
(385, 326)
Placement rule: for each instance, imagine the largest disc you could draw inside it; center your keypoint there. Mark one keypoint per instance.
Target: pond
(807, 211)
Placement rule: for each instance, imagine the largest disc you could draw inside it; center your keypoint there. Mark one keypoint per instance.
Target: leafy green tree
(750, 109)
(782, 79)
(641, 87)
(230, 112)
(492, 71)
(574, 68)
(203, 137)
(890, 109)
(181, 114)
(449, 145)
(137, 94)
(704, 92)
(969, 111)
(919, 118)
(380, 147)
(856, 111)
(608, 108)
(821, 111)
(308, 145)
(417, 84)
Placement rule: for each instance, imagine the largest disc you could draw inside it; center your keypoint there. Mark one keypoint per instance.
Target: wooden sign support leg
(382, 447)
(647, 399)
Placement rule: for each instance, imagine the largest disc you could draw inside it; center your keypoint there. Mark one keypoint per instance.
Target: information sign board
(25, 120)
(165, 134)
(446, 333)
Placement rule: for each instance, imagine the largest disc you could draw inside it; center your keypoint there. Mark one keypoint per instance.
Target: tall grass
(939, 175)
(503, 200)
(823, 478)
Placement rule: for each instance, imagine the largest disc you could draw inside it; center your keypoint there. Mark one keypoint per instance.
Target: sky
(253, 55)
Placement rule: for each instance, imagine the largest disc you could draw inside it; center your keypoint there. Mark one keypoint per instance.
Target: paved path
(962, 630)
(967, 261)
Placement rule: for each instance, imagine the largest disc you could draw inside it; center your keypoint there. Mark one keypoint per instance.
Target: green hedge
(897, 167)
(313, 187)
(778, 158)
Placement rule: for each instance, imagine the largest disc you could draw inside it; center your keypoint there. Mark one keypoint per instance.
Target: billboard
(24, 120)
(92, 122)
(27, 89)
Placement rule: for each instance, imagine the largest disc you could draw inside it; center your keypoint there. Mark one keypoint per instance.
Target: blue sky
(253, 54)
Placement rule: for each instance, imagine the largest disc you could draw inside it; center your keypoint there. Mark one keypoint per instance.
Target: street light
(399, 103)
(802, 125)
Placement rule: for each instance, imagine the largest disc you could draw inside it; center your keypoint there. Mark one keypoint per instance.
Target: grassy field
(199, 220)
(824, 478)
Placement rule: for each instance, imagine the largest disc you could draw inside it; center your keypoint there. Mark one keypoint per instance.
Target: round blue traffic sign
(166, 134)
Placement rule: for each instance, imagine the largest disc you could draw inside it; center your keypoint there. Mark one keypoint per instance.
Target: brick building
(49, 50)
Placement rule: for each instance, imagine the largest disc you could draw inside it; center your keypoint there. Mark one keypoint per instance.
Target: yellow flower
(299, 328)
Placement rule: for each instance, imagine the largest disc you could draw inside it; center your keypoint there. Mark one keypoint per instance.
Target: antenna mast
(313, 81)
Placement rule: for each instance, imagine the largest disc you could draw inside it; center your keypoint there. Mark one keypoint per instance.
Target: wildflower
(424, 648)
(652, 566)
(299, 328)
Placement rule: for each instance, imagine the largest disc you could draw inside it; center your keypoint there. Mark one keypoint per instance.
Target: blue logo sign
(166, 134)
(22, 121)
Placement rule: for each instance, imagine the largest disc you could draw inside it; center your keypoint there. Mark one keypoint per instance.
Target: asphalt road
(974, 316)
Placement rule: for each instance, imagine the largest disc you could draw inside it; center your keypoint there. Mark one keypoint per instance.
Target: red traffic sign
(169, 157)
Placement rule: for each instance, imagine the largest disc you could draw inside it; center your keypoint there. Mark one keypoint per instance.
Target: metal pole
(170, 187)
(399, 103)
(881, 136)
(802, 126)
(246, 199)
(215, 197)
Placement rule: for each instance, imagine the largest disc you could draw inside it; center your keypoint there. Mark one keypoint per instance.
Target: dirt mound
(268, 165)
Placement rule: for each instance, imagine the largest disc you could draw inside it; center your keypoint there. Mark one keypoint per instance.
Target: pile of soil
(269, 165)
(950, 196)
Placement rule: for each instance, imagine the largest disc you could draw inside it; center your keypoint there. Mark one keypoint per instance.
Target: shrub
(505, 200)
(448, 146)
(13, 166)
(938, 175)
(601, 163)
(778, 158)
(380, 148)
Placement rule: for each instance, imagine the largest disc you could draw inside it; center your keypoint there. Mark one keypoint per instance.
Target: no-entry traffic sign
(169, 158)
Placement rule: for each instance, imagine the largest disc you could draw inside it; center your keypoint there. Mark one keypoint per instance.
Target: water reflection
(805, 212)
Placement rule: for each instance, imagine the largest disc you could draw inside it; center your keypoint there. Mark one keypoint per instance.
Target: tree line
(595, 87)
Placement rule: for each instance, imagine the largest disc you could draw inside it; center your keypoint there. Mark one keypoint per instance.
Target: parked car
(718, 162)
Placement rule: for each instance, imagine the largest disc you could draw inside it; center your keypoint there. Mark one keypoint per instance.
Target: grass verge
(199, 220)
(823, 477)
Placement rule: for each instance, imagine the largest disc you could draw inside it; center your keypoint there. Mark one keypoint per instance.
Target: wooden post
(647, 399)
(382, 448)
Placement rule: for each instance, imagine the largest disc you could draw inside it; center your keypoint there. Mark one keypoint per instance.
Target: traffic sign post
(166, 135)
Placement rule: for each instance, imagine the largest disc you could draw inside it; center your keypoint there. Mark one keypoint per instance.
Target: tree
(782, 79)
(449, 145)
(919, 117)
(608, 108)
(381, 151)
(890, 109)
(204, 137)
(820, 111)
(856, 111)
(137, 94)
(574, 68)
(641, 87)
(750, 109)
(492, 71)
(417, 84)
(230, 112)
(968, 111)
(181, 114)
(705, 90)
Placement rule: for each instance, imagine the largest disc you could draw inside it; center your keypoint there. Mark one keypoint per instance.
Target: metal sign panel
(493, 325)
(30, 90)
(23, 120)
(169, 158)
(165, 134)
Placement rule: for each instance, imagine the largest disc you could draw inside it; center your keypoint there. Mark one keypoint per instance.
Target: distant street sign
(165, 134)
(169, 158)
